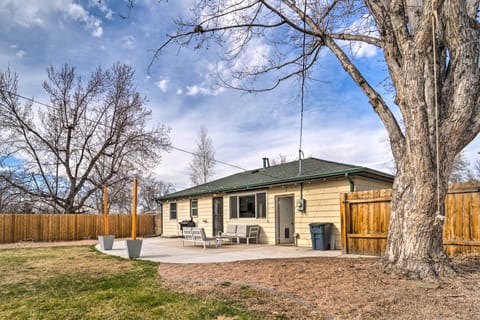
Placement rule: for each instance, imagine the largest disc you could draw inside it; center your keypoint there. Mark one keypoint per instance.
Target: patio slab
(168, 250)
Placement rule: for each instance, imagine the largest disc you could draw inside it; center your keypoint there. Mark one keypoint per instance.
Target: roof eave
(340, 173)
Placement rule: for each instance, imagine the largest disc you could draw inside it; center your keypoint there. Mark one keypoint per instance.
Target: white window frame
(246, 194)
(191, 208)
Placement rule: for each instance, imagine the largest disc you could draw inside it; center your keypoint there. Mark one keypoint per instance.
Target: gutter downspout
(352, 185)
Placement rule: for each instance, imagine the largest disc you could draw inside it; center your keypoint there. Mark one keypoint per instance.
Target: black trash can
(320, 234)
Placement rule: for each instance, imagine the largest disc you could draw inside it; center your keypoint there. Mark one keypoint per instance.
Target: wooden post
(134, 210)
(343, 218)
(105, 211)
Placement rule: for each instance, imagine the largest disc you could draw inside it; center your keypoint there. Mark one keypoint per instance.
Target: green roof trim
(312, 168)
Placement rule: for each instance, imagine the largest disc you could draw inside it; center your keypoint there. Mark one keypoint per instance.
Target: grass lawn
(81, 283)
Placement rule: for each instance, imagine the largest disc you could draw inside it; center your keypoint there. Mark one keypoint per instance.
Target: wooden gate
(365, 216)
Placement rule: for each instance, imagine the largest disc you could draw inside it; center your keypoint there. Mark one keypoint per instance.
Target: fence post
(344, 218)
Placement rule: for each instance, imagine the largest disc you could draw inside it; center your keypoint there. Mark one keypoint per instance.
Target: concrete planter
(106, 242)
(134, 247)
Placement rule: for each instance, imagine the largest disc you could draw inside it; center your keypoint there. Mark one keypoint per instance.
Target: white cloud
(197, 90)
(34, 13)
(162, 85)
(77, 12)
(103, 8)
(363, 26)
(128, 42)
(20, 54)
(179, 91)
(365, 50)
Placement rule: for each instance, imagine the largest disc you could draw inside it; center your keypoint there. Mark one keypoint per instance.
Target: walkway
(169, 250)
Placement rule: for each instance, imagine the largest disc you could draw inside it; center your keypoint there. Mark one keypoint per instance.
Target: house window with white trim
(194, 208)
(173, 211)
(249, 206)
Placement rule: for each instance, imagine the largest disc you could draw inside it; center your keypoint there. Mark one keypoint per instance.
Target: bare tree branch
(66, 156)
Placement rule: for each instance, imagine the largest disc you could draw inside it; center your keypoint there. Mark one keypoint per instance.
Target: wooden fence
(365, 216)
(67, 227)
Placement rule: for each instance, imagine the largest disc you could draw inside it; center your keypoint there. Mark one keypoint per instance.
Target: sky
(182, 86)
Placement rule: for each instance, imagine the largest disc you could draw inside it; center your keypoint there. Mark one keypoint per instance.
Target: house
(282, 199)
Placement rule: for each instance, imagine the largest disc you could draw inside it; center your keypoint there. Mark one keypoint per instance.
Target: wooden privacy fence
(365, 216)
(67, 227)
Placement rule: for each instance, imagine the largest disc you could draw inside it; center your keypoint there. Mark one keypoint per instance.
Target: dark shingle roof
(312, 168)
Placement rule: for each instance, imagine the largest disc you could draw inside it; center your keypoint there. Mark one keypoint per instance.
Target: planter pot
(106, 242)
(134, 247)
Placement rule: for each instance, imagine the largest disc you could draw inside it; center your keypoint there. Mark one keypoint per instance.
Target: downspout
(352, 185)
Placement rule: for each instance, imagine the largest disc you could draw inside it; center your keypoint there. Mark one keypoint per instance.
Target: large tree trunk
(415, 246)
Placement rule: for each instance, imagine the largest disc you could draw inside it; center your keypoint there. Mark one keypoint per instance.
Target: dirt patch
(323, 288)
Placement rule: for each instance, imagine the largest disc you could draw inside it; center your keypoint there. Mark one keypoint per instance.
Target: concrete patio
(171, 250)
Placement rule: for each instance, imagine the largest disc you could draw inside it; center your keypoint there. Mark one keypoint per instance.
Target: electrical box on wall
(300, 205)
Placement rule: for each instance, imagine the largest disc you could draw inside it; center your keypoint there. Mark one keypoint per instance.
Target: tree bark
(415, 245)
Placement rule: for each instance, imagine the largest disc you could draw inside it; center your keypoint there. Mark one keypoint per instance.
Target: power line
(101, 124)
(169, 146)
(215, 160)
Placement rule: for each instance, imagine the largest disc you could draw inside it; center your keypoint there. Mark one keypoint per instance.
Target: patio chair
(188, 235)
(247, 232)
(195, 235)
(229, 234)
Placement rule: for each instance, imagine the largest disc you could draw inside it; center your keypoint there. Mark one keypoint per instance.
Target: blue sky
(339, 124)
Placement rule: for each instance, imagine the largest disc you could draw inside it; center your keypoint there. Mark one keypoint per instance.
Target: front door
(285, 221)
(217, 218)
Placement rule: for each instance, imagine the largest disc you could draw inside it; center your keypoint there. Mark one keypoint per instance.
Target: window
(173, 211)
(194, 208)
(253, 206)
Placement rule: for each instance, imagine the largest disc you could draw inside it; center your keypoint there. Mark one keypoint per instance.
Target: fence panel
(461, 232)
(67, 227)
(365, 216)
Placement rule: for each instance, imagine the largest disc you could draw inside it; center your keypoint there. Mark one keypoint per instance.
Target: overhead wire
(169, 146)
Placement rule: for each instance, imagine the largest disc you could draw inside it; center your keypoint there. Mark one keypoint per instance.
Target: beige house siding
(364, 184)
(266, 224)
(171, 227)
(204, 218)
(322, 205)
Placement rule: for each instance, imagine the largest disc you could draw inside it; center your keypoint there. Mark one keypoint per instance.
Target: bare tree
(431, 51)
(13, 200)
(203, 160)
(83, 139)
(476, 169)
(461, 171)
(282, 158)
(150, 189)
(120, 195)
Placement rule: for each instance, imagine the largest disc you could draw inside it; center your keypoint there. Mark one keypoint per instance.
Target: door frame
(214, 229)
(277, 216)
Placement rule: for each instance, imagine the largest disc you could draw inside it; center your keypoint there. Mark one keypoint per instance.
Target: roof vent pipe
(266, 163)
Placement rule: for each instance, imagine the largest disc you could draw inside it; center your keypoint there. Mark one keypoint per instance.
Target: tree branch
(397, 138)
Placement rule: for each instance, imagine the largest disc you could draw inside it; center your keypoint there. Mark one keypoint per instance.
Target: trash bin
(320, 234)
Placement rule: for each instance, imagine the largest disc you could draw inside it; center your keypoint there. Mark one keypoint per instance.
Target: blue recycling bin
(320, 234)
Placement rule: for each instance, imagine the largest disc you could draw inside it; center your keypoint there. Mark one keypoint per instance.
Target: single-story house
(282, 199)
